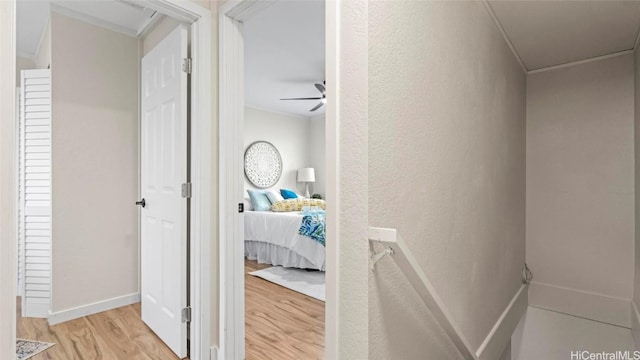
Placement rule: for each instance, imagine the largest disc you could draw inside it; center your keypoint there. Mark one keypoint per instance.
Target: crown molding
(493, 16)
(62, 10)
(580, 62)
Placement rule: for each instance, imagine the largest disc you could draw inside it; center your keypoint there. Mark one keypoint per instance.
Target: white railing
(397, 249)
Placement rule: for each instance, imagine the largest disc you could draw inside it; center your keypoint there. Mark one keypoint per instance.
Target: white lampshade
(306, 175)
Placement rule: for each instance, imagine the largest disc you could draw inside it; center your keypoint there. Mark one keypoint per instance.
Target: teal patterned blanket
(313, 226)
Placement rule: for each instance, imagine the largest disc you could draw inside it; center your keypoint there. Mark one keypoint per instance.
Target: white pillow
(273, 196)
(248, 205)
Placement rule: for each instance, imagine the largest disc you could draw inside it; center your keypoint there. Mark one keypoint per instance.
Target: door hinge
(186, 65)
(186, 314)
(186, 190)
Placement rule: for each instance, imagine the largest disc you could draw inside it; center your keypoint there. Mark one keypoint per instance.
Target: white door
(164, 170)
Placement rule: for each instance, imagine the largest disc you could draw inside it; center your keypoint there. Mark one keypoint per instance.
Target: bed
(273, 238)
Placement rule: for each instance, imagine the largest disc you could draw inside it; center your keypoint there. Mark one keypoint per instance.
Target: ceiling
(284, 43)
(548, 33)
(284, 56)
(119, 15)
(31, 20)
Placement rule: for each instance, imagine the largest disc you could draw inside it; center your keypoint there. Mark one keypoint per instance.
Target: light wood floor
(115, 334)
(281, 324)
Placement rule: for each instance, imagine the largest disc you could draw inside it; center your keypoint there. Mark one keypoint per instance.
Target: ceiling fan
(322, 98)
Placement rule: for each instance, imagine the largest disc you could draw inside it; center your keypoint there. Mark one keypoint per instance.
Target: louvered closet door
(20, 289)
(35, 194)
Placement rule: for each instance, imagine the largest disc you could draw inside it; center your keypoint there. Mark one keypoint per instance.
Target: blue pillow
(259, 200)
(288, 194)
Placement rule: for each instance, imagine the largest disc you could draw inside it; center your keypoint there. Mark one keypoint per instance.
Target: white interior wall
(446, 168)
(23, 63)
(347, 117)
(580, 189)
(506, 355)
(317, 154)
(289, 134)
(43, 54)
(95, 163)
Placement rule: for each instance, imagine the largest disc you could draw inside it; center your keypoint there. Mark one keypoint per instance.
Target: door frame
(8, 183)
(199, 19)
(231, 117)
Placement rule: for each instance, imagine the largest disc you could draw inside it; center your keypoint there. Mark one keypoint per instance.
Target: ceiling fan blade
(313, 98)
(317, 106)
(320, 87)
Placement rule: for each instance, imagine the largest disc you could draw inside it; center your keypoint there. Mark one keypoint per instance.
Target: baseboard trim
(588, 305)
(499, 337)
(90, 309)
(635, 325)
(35, 310)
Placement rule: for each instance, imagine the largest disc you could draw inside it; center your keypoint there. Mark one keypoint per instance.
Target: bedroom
(284, 181)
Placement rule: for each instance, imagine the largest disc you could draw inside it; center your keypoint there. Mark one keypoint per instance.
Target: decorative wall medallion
(262, 164)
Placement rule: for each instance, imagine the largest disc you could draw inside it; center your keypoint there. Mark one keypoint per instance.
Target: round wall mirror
(262, 164)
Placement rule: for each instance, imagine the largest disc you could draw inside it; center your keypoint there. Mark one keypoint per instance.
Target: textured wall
(580, 177)
(289, 134)
(94, 163)
(347, 180)
(446, 168)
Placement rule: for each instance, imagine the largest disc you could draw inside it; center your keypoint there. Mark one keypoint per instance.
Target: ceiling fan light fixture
(323, 99)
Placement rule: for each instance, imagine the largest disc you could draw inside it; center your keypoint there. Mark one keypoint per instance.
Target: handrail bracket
(377, 256)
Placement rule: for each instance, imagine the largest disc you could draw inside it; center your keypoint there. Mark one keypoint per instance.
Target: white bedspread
(281, 229)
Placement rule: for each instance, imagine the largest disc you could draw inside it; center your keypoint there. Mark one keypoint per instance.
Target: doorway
(251, 118)
(199, 19)
(284, 112)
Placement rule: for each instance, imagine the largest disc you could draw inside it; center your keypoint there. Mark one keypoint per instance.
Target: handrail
(397, 249)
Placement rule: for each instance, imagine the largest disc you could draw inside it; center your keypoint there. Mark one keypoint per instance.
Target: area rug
(28, 348)
(310, 283)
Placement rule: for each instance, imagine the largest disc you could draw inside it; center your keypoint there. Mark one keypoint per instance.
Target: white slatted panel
(35, 191)
(20, 290)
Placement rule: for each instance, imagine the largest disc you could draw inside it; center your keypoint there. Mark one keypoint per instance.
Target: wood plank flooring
(115, 334)
(281, 324)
